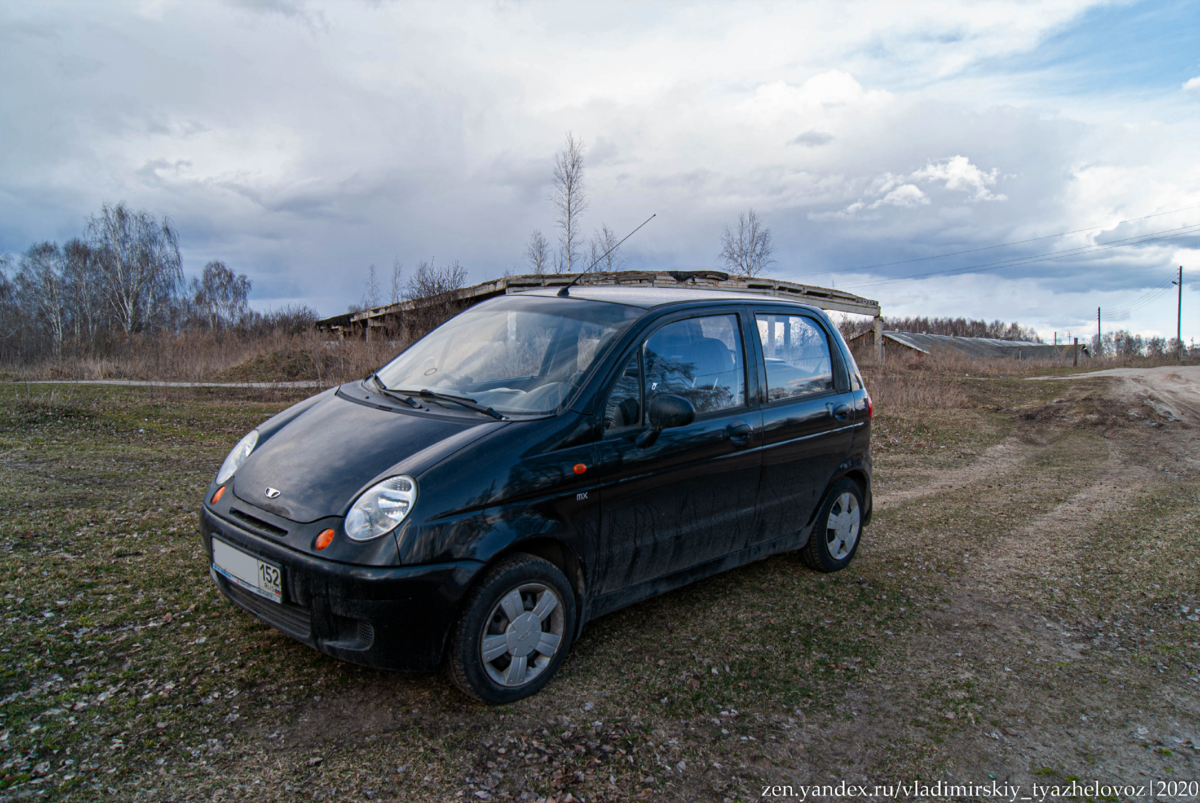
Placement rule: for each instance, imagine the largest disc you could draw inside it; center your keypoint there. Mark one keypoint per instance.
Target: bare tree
(370, 289)
(747, 252)
(601, 247)
(220, 296)
(10, 312)
(569, 199)
(138, 260)
(431, 280)
(434, 289)
(538, 253)
(85, 296)
(42, 292)
(397, 289)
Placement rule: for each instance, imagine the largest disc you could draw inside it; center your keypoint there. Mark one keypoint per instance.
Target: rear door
(691, 496)
(807, 417)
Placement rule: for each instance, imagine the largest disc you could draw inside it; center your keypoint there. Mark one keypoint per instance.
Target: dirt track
(1076, 587)
(1175, 389)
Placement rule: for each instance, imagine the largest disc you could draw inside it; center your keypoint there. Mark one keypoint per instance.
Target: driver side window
(699, 359)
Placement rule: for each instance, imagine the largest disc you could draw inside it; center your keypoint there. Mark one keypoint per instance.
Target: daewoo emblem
(272, 493)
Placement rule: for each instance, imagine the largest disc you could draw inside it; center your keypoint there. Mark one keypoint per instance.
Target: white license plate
(243, 569)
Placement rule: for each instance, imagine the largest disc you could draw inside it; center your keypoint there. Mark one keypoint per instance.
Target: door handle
(739, 433)
(839, 412)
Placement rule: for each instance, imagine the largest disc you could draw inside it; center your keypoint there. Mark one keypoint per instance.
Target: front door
(690, 496)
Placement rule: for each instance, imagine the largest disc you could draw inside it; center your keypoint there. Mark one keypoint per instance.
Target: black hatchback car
(536, 462)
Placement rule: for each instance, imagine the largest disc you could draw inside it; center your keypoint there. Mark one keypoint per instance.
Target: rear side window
(796, 351)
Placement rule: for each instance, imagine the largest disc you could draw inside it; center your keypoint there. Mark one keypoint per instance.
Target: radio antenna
(565, 292)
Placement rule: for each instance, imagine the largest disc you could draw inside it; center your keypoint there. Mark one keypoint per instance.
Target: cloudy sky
(300, 142)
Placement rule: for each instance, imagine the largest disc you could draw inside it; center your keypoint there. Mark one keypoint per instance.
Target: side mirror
(666, 411)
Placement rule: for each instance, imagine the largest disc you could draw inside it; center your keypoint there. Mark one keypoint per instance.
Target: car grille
(257, 523)
(291, 619)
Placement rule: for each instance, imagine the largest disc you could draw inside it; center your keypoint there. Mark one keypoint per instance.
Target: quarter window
(624, 407)
(796, 350)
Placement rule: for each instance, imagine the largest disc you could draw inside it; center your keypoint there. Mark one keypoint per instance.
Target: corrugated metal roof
(974, 346)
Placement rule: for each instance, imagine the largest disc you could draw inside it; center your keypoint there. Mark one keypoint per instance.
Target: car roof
(651, 297)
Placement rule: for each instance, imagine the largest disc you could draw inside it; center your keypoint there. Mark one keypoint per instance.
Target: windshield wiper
(470, 404)
(409, 400)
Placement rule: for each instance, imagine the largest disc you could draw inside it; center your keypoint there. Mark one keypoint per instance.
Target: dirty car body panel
(528, 426)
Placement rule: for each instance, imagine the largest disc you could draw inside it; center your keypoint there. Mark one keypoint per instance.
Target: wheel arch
(554, 551)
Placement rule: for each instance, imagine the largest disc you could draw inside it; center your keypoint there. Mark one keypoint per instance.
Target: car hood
(320, 458)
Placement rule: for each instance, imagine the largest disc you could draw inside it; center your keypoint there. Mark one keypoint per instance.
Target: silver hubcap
(841, 532)
(522, 634)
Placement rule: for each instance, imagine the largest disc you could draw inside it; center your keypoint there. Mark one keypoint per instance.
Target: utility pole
(1099, 337)
(1179, 317)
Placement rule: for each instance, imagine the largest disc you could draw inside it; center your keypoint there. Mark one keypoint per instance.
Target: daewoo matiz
(538, 461)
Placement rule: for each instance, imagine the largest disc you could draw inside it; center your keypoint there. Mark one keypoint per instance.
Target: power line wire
(1144, 300)
(1143, 238)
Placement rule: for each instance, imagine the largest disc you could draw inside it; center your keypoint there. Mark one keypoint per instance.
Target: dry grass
(207, 357)
(1024, 622)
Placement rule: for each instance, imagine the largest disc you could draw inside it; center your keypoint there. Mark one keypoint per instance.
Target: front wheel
(513, 632)
(837, 529)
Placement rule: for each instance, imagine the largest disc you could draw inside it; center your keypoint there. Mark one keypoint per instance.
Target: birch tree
(221, 296)
(570, 200)
(747, 251)
(138, 260)
(41, 291)
(397, 289)
(83, 286)
(537, 252)
(601, 248)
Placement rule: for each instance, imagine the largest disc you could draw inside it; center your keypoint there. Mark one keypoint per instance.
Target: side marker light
(580, 468)
(324, 539)
(217, 496)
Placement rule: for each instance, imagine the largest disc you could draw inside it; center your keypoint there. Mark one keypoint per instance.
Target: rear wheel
(836, 530)
(513, 631)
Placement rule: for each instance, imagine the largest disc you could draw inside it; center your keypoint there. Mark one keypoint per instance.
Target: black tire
(485, 617)
(837, 529)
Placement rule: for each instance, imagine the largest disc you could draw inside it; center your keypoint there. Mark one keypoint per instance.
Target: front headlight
(238, 456)
(381, 508)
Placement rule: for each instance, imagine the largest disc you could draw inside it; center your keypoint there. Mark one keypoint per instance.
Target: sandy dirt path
(1174, 389)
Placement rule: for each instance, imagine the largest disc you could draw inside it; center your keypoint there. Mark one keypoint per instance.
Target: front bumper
(383, 617)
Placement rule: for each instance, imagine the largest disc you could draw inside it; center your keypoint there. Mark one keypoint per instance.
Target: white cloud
(960, 175)
(906, 195)
(302, 140)
(1192, 83)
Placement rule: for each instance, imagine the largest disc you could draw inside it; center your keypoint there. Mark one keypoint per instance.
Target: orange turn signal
(580, 468)
(324, 539)
(217, 496)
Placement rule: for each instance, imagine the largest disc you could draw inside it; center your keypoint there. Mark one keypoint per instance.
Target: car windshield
(516, 354)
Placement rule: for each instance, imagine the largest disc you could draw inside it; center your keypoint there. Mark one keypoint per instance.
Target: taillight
(870, 409)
